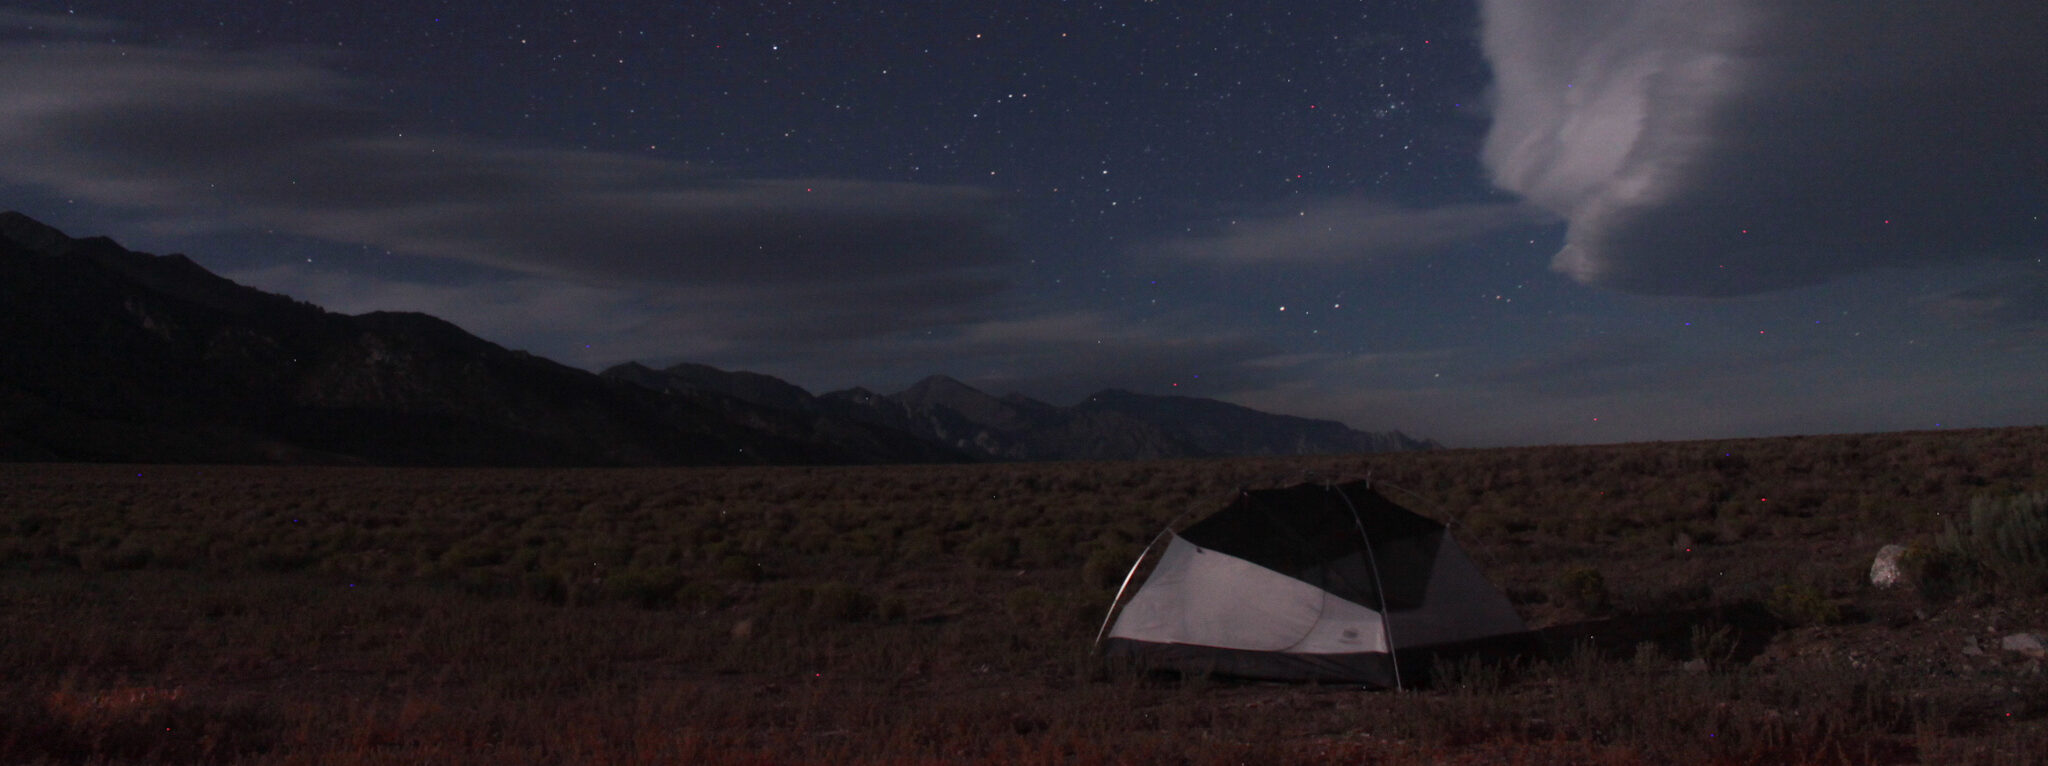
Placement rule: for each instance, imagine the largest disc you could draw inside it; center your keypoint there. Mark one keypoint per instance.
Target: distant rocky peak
(693, 368)
(856, 394)
(752, 387)
(940, 383)
(1109, 395)
(944, 391)
(1021, 401)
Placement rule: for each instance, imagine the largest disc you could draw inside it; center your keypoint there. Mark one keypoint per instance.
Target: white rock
(2029, 644)
(1885, 571)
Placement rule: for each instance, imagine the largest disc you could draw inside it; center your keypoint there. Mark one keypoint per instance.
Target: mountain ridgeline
(1110, 425)
(111, 355)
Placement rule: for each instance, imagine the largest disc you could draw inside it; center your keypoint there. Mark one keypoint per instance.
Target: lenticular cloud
(1738, 146)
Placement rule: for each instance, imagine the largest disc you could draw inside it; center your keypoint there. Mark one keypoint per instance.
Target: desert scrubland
(1696, 602)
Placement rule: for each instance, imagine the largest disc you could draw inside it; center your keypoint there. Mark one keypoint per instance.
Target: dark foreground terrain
(1699, 602)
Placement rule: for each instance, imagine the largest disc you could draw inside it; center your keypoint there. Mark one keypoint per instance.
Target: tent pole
(1128, 576)
(1386, 611)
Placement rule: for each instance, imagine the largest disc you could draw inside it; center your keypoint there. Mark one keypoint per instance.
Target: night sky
(1509, 222)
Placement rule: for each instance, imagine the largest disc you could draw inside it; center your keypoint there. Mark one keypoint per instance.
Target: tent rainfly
(1314, 582)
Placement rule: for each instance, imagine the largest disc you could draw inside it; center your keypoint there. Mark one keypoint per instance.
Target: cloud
(2018, 301)
(1599, 364)
(594, 326)
(1057, 355)
(1738, 147)
(1350, 230)
(256, 141)
(1069, 354)
(586, 325)
(15, 21)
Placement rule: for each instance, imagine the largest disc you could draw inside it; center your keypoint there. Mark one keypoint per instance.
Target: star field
(1485, 223)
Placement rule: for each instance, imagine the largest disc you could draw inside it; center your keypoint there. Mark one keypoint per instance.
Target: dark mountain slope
(961, 419)
(1222, 428)
(1017, 427)
(107, 354)
(113, 355)
(771, 404)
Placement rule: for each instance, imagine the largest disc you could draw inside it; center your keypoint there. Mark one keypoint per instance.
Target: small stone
(1695, 665)
(1971, 649)
(1885, 572)
(2029, 644)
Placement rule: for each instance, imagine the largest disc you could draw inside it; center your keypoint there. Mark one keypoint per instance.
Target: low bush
(992, 551)
(1105, 569)
(892, 609)
(841, 602)
(1046, 547)
(1932, 570)
(139, 724)
(786, 598)
(2003, 544)
(1584, 588)
(699, 596)
(645, 587)
(1803, 605)
(1028, 604)
(741, 568)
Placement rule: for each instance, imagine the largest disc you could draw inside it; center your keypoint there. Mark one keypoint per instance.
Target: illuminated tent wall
(1310, 583)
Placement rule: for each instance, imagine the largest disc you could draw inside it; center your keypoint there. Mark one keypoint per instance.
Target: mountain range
(112, 355)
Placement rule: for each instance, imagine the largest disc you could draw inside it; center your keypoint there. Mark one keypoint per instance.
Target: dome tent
(1315, 582)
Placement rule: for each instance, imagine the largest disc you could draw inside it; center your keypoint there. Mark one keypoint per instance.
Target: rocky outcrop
(1886, 570)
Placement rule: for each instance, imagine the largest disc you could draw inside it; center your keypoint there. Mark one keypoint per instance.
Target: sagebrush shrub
(1583, 587)
(645, 587)
(1045, 547)
(1803, 605)
(993, 551)
(1027, 603)
(700, 596)
(841, 602)
(741, 568)
(1106, 568)
(2004, 543)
